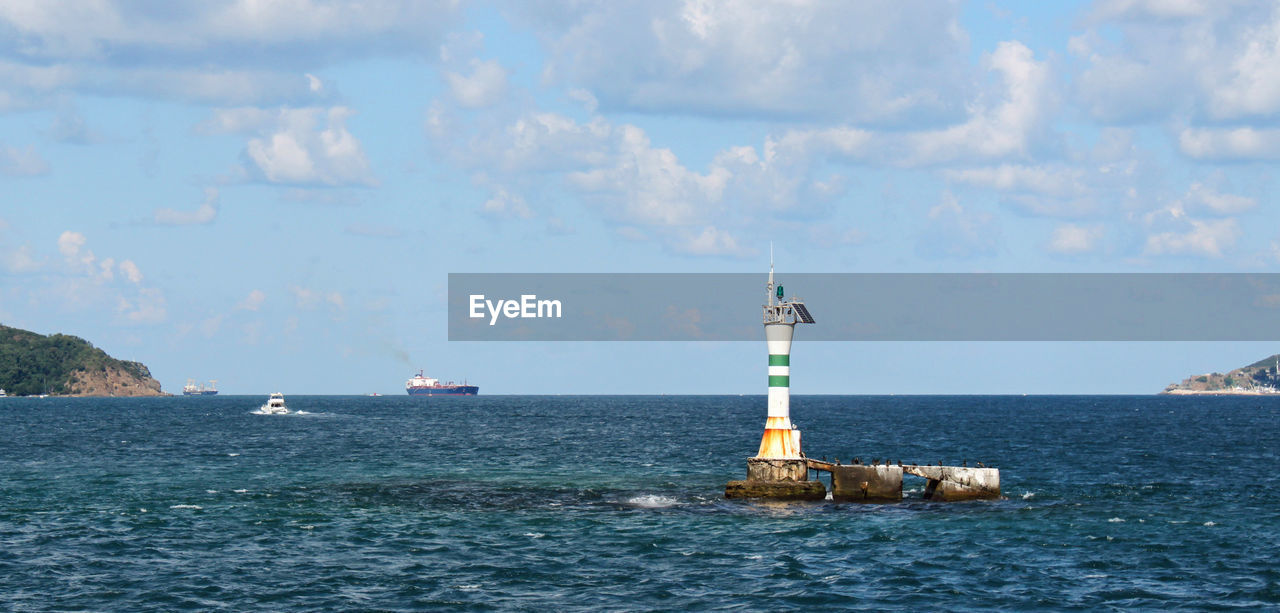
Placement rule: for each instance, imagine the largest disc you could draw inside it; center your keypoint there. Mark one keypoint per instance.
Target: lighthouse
(781, 440)
(779, 469)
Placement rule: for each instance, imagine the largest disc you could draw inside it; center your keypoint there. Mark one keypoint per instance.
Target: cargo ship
(421, 385)
(191, 389)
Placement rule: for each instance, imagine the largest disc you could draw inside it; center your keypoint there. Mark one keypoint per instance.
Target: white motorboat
(274, 405)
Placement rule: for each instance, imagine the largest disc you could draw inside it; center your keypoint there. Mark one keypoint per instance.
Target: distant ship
(426, 386)
(191, 389)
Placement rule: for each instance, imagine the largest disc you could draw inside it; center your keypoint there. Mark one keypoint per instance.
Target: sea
(616, 503)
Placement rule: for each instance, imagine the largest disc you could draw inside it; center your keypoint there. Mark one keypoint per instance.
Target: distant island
(1256, 379)
(61, 365)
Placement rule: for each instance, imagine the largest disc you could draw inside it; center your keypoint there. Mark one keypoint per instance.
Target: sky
(272, 194)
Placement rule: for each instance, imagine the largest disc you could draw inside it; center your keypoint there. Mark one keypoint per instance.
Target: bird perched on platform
(981, 465)
(857, 461)
(875, 462)
(965, 463)
(899, 463)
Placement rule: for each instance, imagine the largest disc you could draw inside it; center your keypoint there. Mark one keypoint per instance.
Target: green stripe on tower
(779, 360)
(779, 381)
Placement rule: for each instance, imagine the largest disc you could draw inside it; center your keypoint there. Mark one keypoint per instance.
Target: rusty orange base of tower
(780, 440)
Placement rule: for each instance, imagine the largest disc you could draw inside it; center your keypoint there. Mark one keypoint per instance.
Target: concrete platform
(955, 483)
(769, 469)
(777, 479)
(776, 490)
(883, 483)
(860, 483)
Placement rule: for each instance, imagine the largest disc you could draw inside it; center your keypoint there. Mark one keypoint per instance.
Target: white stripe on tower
(778, 337)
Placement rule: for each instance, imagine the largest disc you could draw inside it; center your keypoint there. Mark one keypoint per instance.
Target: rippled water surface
(397, 503)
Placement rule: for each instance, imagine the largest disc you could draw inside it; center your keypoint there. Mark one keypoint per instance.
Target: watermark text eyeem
(527, 306)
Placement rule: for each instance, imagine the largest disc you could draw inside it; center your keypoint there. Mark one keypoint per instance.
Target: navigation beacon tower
(781, 439)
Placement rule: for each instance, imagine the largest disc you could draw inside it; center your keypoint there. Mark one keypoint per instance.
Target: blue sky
(272, 194)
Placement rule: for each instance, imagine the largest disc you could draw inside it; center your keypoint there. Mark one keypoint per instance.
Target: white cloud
(620, 173)
(1057, 180)
(106, 269)
(1202, 197)
(954, 231)
(585, 98)
(1251, 87)
(1009, 120)
(304, 298)
(1208, 238)
(712, 241)
(148, 306)
(308, 299)
(88, 282)
(231, 52)
(1072, 239)
(336, 300)
(23, 162)
(1244, 143)
(1096, 184)
(305, 146)
(1212, 61)
(131, 272)
(1004, 128)
(21, 260)
(506, 204)
(253, 301)
(209, 327)
(203, 214)
(483, 87)
(1162, 9)
(70, 127)
(650, 186)
(866, 62)
(70, 245)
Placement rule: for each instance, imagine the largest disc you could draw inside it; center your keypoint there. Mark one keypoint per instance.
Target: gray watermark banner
(867, 306)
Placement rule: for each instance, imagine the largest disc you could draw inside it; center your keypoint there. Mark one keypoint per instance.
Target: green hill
(59, 364)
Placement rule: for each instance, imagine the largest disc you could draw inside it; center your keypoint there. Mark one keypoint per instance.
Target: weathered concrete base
(776, 479)
(776, 490)
(860, 483)
(954, 483)
(765, 469)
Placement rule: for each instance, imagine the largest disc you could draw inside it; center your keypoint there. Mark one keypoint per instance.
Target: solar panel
(802, 312)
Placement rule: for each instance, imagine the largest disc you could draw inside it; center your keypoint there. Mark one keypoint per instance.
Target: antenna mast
(770, 273)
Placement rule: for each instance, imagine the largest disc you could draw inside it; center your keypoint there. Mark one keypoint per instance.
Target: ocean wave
(652, 501)
(185, 506)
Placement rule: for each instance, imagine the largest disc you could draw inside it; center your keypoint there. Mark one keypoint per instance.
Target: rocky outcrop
(112, 381)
